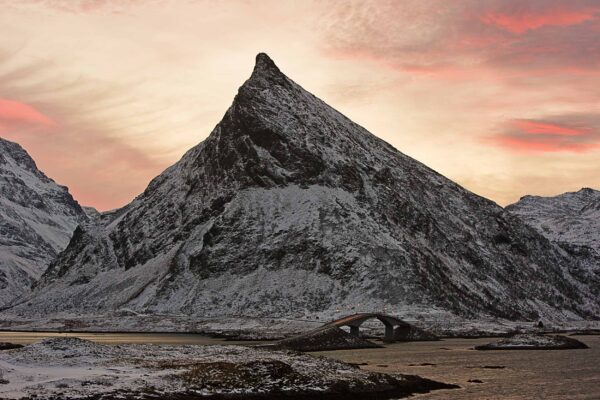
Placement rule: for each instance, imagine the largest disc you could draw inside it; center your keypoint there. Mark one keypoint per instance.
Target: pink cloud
(88, 165)
(567, 133)
(16, 113)
(485, 39)
(520, 20)
(523, 145)
(545, 128)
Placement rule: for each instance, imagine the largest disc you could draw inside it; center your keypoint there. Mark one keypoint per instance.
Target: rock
(527, 341)
(324, 339)
(9, 346)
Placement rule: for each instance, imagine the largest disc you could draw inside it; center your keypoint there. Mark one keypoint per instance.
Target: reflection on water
(117, 338)
(527, 374)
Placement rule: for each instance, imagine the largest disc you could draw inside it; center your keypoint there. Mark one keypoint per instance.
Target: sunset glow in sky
(502, 96)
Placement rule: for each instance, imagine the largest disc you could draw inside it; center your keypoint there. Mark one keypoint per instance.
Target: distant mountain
(37, 219)
(288, 207)
(572, 217)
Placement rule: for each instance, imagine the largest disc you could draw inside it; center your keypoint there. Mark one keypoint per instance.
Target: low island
(532, 341)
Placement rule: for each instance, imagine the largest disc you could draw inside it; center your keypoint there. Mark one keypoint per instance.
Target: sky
(502, 96)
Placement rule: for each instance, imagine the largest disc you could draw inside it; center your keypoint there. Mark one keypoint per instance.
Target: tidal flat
(507, 375)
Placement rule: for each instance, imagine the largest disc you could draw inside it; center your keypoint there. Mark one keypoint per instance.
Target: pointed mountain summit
(266, 70)
(37, 219)
(288, 207)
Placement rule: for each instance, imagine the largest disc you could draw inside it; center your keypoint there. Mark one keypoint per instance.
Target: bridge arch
(356, 320)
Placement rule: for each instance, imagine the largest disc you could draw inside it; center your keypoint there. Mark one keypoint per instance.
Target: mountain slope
(572, 217)
(290, 207)
(37, 218)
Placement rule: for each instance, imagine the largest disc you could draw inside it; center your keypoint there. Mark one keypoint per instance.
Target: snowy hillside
(37, 218)
(288, 207)
(572, 217)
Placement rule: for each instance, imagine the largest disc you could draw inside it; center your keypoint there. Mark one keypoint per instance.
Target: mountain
(37, 219)
(290, 208)
(570, 218)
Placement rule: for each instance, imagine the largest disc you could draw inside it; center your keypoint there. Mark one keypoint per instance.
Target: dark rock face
(287, 207)
(37, 218)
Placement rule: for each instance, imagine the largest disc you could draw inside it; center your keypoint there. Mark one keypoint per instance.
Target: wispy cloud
(520, 17)
(85, 6)
(15, 114)
(71, 127)
(471, 35)
(578, 133)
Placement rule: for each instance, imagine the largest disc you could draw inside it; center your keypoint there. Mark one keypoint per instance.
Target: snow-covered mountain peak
(37, 218)
(11, 152)
(288, 207)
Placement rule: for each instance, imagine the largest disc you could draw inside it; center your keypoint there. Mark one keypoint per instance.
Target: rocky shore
(528, 341)
(323, 340)
(70, 368)
(9, 346)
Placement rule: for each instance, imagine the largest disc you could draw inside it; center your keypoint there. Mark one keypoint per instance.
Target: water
(118, 338)
(527, 374)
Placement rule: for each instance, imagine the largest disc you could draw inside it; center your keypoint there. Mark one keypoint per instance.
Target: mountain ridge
(37, 217)
(571, 217)
(290, 207)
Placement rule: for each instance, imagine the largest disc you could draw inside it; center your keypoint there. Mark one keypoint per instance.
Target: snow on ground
(534, 342)
(75, 368)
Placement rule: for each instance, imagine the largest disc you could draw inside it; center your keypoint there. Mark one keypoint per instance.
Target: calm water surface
(118, 338)
(527, 374)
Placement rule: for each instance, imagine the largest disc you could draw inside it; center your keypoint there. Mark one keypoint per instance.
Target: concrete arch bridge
(356, 320)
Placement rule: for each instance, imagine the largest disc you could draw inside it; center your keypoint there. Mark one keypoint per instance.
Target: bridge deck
(356, 320)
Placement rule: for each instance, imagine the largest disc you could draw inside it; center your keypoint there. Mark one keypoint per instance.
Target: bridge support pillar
(354, 331)
(389, 334)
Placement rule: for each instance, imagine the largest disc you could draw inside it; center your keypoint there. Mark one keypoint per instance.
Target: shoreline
(73, 368)
(229, 336)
